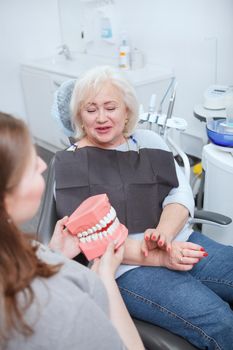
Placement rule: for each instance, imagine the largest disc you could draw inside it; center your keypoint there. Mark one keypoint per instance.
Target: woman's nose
(102, 116)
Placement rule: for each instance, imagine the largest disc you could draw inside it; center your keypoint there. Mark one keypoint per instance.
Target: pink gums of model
(95, 223)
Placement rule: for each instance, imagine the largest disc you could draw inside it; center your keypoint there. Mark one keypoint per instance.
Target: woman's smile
(103, 129)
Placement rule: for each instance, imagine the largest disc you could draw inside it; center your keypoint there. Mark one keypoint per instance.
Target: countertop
(150, 73)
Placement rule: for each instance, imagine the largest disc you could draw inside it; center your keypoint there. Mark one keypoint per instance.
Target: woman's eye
(111, 108)
(91, 110)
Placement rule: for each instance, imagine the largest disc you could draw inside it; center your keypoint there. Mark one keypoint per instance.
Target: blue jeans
(194, 304)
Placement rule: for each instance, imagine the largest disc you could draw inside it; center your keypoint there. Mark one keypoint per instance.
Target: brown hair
(19, 263)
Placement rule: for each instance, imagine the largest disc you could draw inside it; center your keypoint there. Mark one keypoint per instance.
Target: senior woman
(184, 281)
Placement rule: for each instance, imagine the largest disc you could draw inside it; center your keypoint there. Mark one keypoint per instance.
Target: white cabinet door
(39, 88)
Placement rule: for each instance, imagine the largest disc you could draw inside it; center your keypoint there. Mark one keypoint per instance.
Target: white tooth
(110, 232)
(113, 213)
(100, 235)
(103, 223)
(105, 233)
(88, 238)
(84, 233)
(98, 227)
(79, 235)
(83, 240)
(109, 217)
(94, 236)
(106, 219)
(94, 229)
(115, 224)
(90, 231)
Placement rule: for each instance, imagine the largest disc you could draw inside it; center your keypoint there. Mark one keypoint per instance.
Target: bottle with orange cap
(124, 55)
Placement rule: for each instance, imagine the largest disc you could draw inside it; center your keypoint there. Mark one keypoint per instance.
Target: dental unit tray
(173, 122)
(162, 120)
(95, 224)
(166, 121)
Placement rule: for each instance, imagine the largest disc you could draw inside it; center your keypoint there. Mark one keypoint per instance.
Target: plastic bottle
(124, 55)
(137, 59)
(106, 28)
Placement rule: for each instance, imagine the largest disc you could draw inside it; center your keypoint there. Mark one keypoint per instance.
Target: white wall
(178, 33)
(28, 29)
(182, 34)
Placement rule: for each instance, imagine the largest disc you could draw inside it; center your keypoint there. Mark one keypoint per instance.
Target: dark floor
(31, 225)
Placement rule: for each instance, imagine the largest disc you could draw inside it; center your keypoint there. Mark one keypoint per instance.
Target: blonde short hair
(90, 84)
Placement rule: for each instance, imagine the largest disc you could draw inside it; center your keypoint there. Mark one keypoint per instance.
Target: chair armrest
(210, 217)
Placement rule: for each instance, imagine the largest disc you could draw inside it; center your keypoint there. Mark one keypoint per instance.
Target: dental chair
(153, 337)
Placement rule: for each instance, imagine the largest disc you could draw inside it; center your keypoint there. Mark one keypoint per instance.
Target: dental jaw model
(95, 223)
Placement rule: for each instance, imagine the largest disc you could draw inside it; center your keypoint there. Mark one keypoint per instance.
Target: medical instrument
(146, 117)
(215, 102)
(170, 109)
(217, 163)
(164, 122)
(215, 97)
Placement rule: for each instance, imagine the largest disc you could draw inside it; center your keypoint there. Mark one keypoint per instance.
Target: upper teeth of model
(92, 235)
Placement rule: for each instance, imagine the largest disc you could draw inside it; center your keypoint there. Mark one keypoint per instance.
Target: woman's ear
(126, 115)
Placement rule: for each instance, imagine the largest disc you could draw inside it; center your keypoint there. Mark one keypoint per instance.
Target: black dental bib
(135, 182)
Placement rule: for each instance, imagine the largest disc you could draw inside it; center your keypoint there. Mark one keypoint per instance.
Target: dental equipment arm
(165, 95)
(170, 109)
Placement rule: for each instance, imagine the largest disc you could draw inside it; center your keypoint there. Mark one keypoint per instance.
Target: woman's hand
(63, 241)
(154, 239)
(182, 256)
(107, 265)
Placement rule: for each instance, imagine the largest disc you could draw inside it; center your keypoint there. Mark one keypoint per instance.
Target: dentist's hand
(107, 265)
(63, 241)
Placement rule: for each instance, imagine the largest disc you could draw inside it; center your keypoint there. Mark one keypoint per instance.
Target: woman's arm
(177, 206)
(182, 255)
(105, 267)
(173, 218)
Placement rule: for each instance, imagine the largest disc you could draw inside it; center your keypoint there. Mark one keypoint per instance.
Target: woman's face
(23, 201)
(104, 117)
